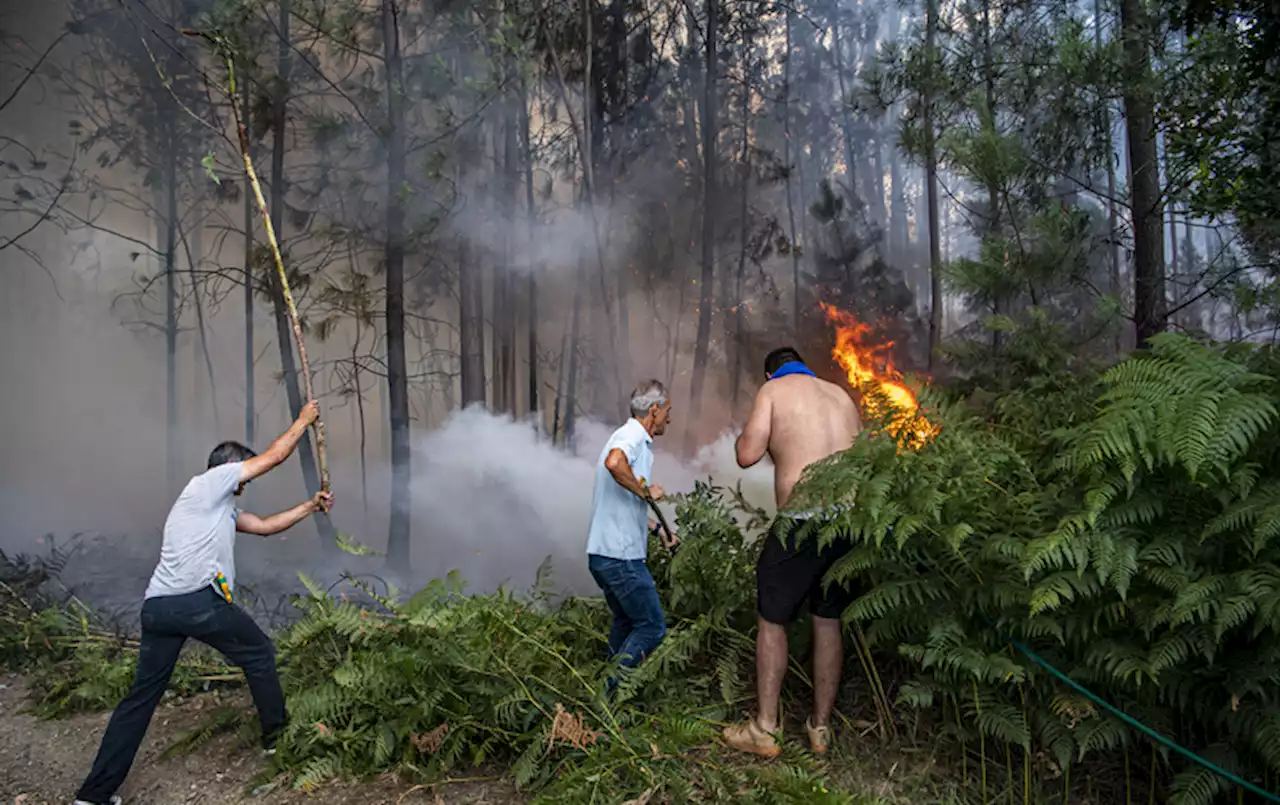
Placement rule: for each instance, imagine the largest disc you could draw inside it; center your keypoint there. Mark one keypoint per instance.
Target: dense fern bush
(1135, 550)
(445, 679)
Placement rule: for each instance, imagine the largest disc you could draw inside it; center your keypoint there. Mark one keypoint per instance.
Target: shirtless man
(798, 420)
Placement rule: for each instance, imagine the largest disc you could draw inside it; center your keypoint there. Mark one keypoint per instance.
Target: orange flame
(870, 370)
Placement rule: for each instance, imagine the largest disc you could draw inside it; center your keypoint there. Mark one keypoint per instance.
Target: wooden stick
(653, 505)
(305, 366)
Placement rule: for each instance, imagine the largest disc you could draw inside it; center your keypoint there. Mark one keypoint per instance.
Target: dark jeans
(638, 622)
(167, 622)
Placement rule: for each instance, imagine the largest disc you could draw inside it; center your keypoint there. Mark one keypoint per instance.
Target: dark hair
(782, 355)
(228, 453)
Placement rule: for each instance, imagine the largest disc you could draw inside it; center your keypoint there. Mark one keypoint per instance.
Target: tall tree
(1108, 145)
(284, 328)
(1150, 307)
(397, 373)
(531, 217)
(470, 326)
(793, 246)
(706, 286)
(250, 417)
(173, 452)
(936, 297)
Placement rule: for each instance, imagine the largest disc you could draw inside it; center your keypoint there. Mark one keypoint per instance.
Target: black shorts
(786, 576)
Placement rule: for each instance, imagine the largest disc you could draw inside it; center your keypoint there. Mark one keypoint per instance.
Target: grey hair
(646, 395)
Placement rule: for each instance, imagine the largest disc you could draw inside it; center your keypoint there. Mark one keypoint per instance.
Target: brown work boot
(819, 737)
(749, 737)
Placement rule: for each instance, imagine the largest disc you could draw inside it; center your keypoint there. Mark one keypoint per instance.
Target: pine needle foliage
(1134, 548)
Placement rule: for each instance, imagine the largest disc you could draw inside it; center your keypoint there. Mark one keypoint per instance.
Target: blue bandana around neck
(792, 368)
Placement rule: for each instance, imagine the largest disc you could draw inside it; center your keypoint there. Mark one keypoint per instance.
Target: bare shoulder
(837, 391)
(829, 386)
(844, 402)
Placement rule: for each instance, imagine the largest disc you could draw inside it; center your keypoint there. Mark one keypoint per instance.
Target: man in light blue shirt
(618, 538)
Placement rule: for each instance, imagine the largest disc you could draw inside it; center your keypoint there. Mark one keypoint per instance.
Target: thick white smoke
(491, 498)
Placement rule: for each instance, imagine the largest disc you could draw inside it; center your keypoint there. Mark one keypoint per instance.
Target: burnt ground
(43, 762)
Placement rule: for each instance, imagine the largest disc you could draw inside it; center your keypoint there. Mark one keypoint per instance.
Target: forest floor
(44, 761)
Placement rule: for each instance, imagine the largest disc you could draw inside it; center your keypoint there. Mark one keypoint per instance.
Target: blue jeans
(638, 622)
(167, 622)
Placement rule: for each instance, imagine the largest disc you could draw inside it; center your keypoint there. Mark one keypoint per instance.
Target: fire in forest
(868, 364)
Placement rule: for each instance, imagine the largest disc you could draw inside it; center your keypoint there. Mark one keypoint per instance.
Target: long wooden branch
(282, 277)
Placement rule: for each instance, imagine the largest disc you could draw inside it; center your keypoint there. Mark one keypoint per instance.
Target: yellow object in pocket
(220, 583)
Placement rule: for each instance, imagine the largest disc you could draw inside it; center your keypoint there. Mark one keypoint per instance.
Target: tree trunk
(173, 452)
(1113, 253)
(707, 283)
(510, 188)
(284, 328)
(249, 417)
(791, 208)
(360, 419)
(561, 369)
(739, 316)
(612, 95)
(398, 553)
(992, 228)
(931, 176)
(1189, 257)
(193, 245)
(1175, 266)
(898, 218)
(470, 328)
(806, 232)
(1150, 307)
(877, 185)
(532, 281)
(571, 380)
(846, 121)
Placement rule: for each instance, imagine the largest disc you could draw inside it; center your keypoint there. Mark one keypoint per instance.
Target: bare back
(810, 419)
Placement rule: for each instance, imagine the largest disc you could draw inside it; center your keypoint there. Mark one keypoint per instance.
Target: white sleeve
(223, 480)
(630, 447)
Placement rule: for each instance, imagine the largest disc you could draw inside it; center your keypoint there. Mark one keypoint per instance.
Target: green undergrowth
(73, 660)
(1121, 525)
(442, 681)
(445, 680)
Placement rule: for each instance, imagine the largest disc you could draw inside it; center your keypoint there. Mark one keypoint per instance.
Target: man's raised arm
(282, 447)
(753, 443)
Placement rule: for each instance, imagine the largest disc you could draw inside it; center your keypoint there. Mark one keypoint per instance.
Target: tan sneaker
(819, 737)
(749, 737)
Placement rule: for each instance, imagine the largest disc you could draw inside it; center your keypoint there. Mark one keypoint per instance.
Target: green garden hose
(1138, 725)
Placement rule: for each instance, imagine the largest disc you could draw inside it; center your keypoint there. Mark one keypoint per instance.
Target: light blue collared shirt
(620, 520)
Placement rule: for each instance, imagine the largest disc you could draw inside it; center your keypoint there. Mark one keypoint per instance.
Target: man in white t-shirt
(618, 538)
(190, 595)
